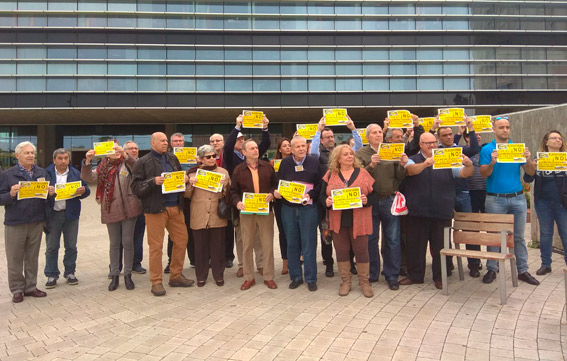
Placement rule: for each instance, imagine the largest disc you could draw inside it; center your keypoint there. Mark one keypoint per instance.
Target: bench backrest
(483, 229)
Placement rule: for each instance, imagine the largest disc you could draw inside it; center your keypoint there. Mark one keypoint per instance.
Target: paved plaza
(87, 322)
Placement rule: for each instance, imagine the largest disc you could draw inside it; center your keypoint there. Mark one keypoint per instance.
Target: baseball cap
(239, 135)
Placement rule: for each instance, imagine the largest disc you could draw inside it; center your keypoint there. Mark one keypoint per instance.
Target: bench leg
(445, 289)
(460, 266)
(514, 272)
(502, 277)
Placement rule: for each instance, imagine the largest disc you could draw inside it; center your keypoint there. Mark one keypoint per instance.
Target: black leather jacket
(143, 185)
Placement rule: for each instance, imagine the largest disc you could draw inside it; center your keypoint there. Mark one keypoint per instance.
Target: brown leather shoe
(18, 297)
(439, 285)
(158, 290)
(405, 282)
(247, 284)
(240, 273)
(181, 281)
(271, 284)
(261, 271)
(35, 293)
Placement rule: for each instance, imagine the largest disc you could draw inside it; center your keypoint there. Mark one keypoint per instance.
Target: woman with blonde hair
(550, 200)
(351, 227)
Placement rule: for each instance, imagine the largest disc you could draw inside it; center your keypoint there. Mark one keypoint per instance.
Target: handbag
(224, 208)
(399, 207)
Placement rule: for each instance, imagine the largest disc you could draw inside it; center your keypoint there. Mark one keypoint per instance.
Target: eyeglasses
(209, 156)
(554, 138)
(498, 118)
(429, 143)
(132, 148)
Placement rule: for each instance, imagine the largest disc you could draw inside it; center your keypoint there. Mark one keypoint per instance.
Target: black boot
(128, 282)
(113, 284)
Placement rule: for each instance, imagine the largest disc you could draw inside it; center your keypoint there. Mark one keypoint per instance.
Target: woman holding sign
(550, 196)
(283, 150)
(208, 185)
(346, 192)
(119, 207)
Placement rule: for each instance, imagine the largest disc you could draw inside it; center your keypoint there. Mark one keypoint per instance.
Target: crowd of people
(207, 226)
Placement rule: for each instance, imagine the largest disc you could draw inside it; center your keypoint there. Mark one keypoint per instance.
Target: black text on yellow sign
(208, 180)
(66, 191)
(511, 152)
(447, 158)
(252, 119)
(292, 192)
(399, 119)
(334, 117)
(391, 152)
(255, 203)
(346, 198)
(103, 148)
(173, 182)
(33, 190)
(307, 131)
(451, 117)
(186, 155)
(482, 123)
(552, 161)
(426, 123)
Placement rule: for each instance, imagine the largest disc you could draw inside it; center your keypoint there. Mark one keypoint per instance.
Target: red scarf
(106, 172)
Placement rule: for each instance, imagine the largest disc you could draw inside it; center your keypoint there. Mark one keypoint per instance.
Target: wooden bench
(484, 230)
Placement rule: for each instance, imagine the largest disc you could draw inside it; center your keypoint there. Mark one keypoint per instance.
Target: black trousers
(421, 230)
(229, 242)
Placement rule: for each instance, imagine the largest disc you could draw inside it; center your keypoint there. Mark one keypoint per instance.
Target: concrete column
(45, 144)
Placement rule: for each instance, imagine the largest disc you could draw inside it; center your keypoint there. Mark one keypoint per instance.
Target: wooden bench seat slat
(476, 254)
(483, 226)
(484, 217)
(482, 239)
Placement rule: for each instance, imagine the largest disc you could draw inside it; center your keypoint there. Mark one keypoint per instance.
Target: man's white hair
(22, 145)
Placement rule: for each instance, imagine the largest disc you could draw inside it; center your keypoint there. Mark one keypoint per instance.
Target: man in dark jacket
(63, 217)
(161, 211)
(23, 223)
(232, 157)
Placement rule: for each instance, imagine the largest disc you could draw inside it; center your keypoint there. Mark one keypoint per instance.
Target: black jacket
(230, 160)
(143, 185)
(24, 211)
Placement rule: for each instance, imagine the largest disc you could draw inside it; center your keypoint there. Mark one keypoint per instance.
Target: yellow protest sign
(255, 203)
(173, 182)
(346, 198)
(292, 192)
(277, 163)
(33, 190)
(399, 119)
(66, 191)
(252, 119)
(307, 131)
(451, 117)
(511, 152)
(552, 161)
(362, 133)
(447, 158)
(482, 123)
(391, 151)
(186, 155)
(209, 181)
(103, 148)
(427, 123)
(334, 117)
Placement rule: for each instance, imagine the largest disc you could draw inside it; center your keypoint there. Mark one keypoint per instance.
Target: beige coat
(204, 205)
(125, 204)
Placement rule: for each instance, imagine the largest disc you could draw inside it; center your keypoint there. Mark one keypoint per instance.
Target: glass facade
(278, 47)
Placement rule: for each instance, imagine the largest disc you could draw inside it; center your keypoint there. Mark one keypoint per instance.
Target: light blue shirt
(317, 141)
(505, 177)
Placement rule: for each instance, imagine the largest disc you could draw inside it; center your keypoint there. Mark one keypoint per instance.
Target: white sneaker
(51, 282)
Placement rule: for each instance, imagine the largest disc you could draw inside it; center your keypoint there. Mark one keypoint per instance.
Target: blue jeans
(300, 226)
(139, 241)
(549, 212)
(518, 207)
(57, 224)
(391, 241)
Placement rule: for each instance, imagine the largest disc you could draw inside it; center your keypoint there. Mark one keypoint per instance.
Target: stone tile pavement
(87, 322)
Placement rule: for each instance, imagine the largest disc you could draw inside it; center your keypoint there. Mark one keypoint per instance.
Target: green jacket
(388, 175)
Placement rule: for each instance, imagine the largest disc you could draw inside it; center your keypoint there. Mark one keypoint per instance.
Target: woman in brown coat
(119, 207)
(208, 228)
